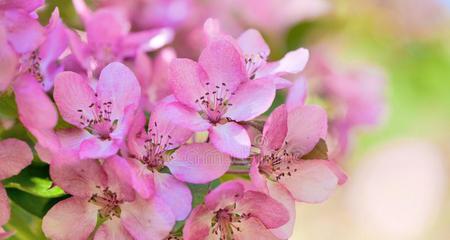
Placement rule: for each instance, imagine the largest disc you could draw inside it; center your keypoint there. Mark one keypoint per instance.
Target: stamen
(108, 203)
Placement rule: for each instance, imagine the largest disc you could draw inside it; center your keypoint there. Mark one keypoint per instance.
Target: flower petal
(269, 211)
(251, 99)
(275, 129)
(8, 61)
(313, 182)
(118, 84)
(145, 41)
(74, 98)
(253, 227)
(292, 63)
(198, 163)
(98, 148)
(112, 230)
(175, 194)
(186, 78)
(282, 195)
(225, 194)
(223, 63)
(297, 94)
(144, 218)
(231, 138)
(15, 155)
(5, 210)
(198, 224)
(252, 43)
(306, 126)
(25, 33)
(105, 27)
(72, 218)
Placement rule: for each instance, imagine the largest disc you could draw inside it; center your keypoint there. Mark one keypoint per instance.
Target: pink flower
(104, 113)
(231, 212)
(15, 155)
(287, 136)
(148, 154)
(109, 38)
(101, 192)
(218, 88)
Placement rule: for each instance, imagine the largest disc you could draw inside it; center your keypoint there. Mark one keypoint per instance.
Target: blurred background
(396, 54)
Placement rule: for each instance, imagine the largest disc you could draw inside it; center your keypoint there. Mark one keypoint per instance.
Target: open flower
(15, 155)
(104, 113)
(287, 136)
(148, 150)
(219, 89)
(231, 212)
(100, 194)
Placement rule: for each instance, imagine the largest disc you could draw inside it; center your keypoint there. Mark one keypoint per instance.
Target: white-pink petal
(231, 138)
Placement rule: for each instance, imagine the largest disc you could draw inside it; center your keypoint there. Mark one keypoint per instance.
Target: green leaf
(8, 107)
(35, 181)
(199, 191)
(24, 225)
(320, 151)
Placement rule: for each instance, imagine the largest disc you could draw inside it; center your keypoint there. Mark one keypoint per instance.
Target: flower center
(253, 62)
(98, 121)
(31, 63)
(108, 203)
(278, 164)
(225, 221)
(215, 102)
(155, 145)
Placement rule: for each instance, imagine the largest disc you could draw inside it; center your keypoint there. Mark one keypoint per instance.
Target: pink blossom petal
(8, 62)
(186, 78)
(198, 163)
(146, 41)
(15, 155)
(112, 230)
(275, 129)
(251, 99)
(98, 148)
(144, 218)
(82, 9)
(27, 5)
(105, 28)
(5, 210)
(313, 182)
(252, 43)
(211, 28)
(297, 94)
(80, 50)
(258, 180)
(225, 194)
(121, 177)
(271, 213)
(140, 178)
(293, 62)
(223, 64)
(175, 194)
(74, 98)
(282, 195)
(76, 177)
(198, 224)
(252, 227)
(25, 34)
(306, 126)
(231, 138)
(118, 84)
(5, 235)
(281, 83)
(72, 218)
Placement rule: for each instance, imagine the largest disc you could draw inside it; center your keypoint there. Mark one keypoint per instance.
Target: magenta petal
(25, 34)
(119, 85)
(198, 224)
(252, 227)
(15, 155)
(72, 218)
(297, 94)
(175, 194)
(112, 230)
(74, 98)
(306, 126)
(80, 50)
(313, 182)
(198, 163)
(223, 63)
(82, 9)
(105, 28)
(26, 5)
(271, 213)
(275, 129)
(186, 78)
(282, 195)
(145, 41)
(252, 43)
(251, 99)
(5, 210)
(231, 138)
(144, 218)
(225, 194)
(8, 62)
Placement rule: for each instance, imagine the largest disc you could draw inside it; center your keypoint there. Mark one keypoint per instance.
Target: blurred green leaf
(8, 107)
(24, 225)
(320, 151)
(199, 191)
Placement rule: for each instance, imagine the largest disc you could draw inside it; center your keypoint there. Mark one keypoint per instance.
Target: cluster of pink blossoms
(138, 131)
